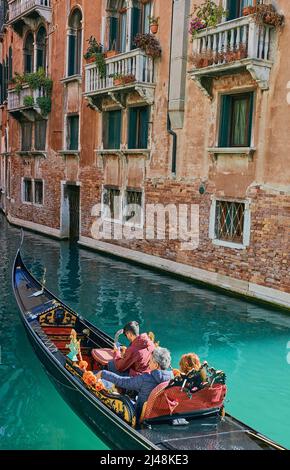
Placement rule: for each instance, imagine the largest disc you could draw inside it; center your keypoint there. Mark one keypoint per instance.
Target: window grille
(229, 221)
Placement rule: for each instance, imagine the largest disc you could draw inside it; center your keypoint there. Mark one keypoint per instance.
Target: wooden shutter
(144, 123)
(225, 121)
(71, 55)
(73, 132)
(114, 131)
(135, 25)
(113, 33)
(40, 135)
(26, 141)
(132, 130)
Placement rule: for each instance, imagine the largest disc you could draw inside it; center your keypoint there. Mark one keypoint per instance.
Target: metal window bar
(229, 223)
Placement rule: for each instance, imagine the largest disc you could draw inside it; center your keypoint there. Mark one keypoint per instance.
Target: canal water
(248, 341)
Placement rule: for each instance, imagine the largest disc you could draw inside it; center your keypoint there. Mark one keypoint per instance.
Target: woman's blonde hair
(189, 362)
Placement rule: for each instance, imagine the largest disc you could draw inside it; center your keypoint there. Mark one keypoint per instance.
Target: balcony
(23, 104)
(232, 47)
(134, 64)
(29, 12)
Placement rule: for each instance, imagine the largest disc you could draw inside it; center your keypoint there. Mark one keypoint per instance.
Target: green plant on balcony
(95, 54)
(44, 103)
(28, 101)
(206, 15)
(149, 44)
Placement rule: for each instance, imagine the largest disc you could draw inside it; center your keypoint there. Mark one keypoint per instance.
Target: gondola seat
(103, 356)
(173, 402)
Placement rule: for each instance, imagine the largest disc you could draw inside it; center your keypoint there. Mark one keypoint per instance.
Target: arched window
(29, 53)
(123, 27)
(74, 43)
(126, 20)
(41, 48)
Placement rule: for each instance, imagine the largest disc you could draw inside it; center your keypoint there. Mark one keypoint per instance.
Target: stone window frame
(247, 224)
(123, 198)
(35, 33)
(32, 203)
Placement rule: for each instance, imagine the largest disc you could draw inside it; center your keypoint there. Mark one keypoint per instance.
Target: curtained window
(235, 8)
(236, 120)
(138, 127)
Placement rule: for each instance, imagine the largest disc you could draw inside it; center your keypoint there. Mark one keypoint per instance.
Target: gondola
(48, 321)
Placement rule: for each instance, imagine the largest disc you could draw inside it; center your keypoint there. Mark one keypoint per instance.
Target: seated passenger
(145, 383)
(133, 360)
(189, 363)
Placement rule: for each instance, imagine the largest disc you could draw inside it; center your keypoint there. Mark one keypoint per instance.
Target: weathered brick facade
(259, 175)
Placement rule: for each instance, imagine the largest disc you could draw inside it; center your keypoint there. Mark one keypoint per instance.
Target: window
(236, 120)
(112, 203)
(29, 53)
(72, 132)
(10, 64)
(26, 136)
(112, 129)
(123, 27)
(121, 33)
(27, 190)
(146, 12)
(40, 134)
(133, 210)
(230, 223)
(138, 127)
(235, 8)
(38, 192)
(75, 43)
(41, 48)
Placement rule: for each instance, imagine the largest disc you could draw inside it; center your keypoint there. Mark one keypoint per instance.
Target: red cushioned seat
(175, 401)
(103, 356)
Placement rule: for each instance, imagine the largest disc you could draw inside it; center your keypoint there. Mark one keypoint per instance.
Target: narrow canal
(248, 341)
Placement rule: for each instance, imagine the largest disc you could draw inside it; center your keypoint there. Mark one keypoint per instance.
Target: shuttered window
(236, 120)
(27, 190)
(73, 132)
(26, 136)
(112, 129)
(135, 25)
(40, 134)
(10, 64)
(38, 192)
(138, 127)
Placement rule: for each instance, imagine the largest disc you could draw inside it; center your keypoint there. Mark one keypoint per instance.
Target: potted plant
(117, 79)
(249, 10)
(154, 24)
(130, 78)
(93, 49)
(112, 51)
(267, 14)
(149, 44)
(241, 52)
(206, 15)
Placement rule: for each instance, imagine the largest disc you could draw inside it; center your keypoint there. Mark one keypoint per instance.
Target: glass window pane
(229, 223)
(38, 192)
(28, 190)
(73, 133)
(240, 119)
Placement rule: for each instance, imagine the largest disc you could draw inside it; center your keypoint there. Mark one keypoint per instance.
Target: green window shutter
(144, 123)
(1, 83)
(10, 73)
(113, 33)
(114, 129)
(225, 118)
(40, 135)
(135, 25)
(73, 133)
(71, 55)
(132, 131)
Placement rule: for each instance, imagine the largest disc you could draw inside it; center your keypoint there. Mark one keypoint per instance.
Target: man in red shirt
(135, 359)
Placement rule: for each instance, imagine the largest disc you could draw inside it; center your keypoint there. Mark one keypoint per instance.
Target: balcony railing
(235, 44)
(134, 63)
(16, 100)
(21, 7)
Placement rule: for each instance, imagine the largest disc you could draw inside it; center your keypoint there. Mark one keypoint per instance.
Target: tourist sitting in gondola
(143, 384)
(135, 359)
(190, 363)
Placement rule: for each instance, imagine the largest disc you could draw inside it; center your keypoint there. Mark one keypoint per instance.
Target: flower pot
(249, 10)
(111, 53)
(90, 60)
(118, 81)
(154, 28)
(129, 79)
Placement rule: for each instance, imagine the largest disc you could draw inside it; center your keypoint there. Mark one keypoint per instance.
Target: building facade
(204, 125)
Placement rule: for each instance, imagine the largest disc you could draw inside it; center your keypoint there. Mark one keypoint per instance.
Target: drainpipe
(169, 128)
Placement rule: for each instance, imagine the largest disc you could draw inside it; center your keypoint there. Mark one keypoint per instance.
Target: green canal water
(246, 340)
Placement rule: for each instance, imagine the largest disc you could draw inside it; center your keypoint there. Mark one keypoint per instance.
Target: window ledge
(75, 153)
(234, 246)
(232, 150)
(123, 152)
(71, 78)
(28, 153)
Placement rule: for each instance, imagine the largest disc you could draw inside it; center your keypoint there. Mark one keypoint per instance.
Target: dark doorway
(73, 195)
